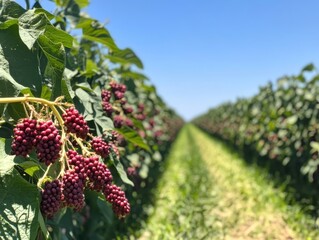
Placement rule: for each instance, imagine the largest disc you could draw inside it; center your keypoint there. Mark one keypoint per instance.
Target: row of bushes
(278, 126)
(51, 78)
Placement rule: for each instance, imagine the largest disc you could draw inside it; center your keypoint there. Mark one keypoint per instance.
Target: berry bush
(82, 130)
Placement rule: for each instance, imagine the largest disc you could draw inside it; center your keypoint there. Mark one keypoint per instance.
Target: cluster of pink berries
(117, 90)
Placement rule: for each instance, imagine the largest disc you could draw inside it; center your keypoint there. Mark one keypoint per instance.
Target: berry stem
(43, 177)
(34, 99)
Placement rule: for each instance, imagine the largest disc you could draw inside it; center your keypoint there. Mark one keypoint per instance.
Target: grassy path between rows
(208, 192)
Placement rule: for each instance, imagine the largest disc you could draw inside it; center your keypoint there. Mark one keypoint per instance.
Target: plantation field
(209, 192)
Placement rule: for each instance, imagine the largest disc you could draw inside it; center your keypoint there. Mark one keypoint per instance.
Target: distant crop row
(279, 126)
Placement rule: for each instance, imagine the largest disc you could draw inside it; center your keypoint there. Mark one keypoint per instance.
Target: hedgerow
(81, 127)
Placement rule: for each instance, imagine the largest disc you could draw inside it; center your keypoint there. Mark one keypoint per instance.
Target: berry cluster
(90, 170)
(98, 173)
(100, 147)
(48, 142)
(24, 138)
(51, 198)
(44, 136)
(77, 161)
(119, 107)
(116, 197)
(73, 188)
(140, 115)
(118, 90)
(75, 123)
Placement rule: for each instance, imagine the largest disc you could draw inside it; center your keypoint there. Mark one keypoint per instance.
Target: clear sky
(202, 53)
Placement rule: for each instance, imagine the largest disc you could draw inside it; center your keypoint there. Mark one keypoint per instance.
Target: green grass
(208, 192)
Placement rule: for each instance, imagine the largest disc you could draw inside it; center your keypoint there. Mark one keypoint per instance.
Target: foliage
(42, 60)
(278, 126)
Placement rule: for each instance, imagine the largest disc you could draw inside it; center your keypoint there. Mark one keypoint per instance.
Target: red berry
(48, 142)
(98, 173)
(106, 95)
(127, 109)
(118, 121)
(120, 205)
(77, 161)
(51, 198)
(118, 95)
(24, 138)
(73, 188)
(75, 123)
(100, 147)
(108, 109)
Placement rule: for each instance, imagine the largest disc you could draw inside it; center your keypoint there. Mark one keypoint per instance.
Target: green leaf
(55, 54)
(17, 60)
(310, 67)
(58, 36)
(19, 201)
(9, 88)
(92, 30)
(315, 146)
(125, 56)
(10, 9)
(292, 120)
(31, 26)
(104, 122)
(82, 3)
(30, 167)
(46, 92)
(91, 68)
(9, 23)
(43, 227)
(19, 207)
(133, 75)
(133, 137)
(120, 170)
(105, 209)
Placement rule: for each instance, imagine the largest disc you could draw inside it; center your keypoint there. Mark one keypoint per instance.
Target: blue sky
(202, 53)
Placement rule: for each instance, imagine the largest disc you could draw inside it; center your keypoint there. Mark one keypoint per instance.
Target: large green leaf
(19, 207)
(55, 54)
(18, 61)
(19, 201)
(120, 170)
(133, 137)
(125, 56)
(31, 26)
(96, 32)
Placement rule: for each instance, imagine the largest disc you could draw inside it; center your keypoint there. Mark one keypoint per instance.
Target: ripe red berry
(108, 108)
(100, 147)
(24, 138)
(98, 173)
(73, 188)
(118, 95)
(75, 123)
(120, 205)
(140, 116)
(129, 123)
(51, 198)
(77, 161)
(127, 109)
(106, 95)
(118, 121)
(48, 142)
